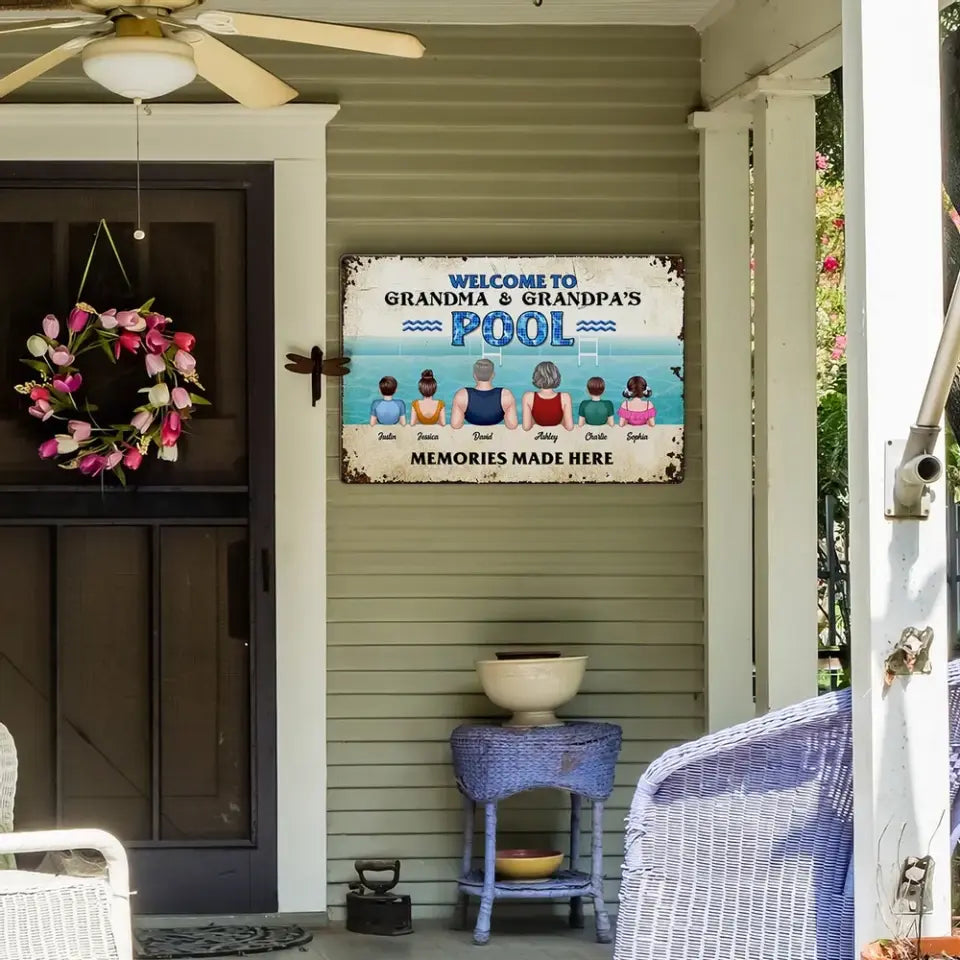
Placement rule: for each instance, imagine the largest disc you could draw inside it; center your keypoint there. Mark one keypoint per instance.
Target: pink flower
(185, 341)
(80, 429)
(126, 341)
(39, 393)
(839, 346)
(129, 319)
(48, 449)
(108, 319)
(51, 326)
(831, 264)
(156, 321)
(170, 431)
(155, 341)
(77, 319)
(61, 356)
(821, 161)
(155, 363)
(184, 361)
(132, 458)
(112, 459)
(180, 398)
(68, 384)
(92, 464)
(839, 223)
(753, 265)
(142, 421)
(41, 410)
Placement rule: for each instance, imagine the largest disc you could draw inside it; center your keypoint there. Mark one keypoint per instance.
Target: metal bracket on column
(913, 890)
(907, 478)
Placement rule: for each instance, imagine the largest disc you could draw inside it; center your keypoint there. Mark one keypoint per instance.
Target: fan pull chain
(138, 234)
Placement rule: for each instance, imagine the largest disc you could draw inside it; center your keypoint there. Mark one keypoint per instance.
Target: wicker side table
(492, 763)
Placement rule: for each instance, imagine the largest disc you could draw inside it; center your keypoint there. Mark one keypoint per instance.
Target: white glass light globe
(144, 67)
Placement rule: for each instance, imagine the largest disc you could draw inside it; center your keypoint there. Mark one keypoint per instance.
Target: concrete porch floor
(434, 940)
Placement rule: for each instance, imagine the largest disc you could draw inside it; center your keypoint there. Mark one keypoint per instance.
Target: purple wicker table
(492, 763)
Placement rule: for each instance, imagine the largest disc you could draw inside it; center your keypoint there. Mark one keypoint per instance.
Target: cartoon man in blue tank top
(483, 405)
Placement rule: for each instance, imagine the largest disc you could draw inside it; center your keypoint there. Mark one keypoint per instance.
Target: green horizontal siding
(514, 141)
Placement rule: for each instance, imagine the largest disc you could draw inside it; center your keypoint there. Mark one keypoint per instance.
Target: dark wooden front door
(136, 625)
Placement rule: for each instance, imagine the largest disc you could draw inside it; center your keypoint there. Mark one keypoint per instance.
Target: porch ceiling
(664, 12)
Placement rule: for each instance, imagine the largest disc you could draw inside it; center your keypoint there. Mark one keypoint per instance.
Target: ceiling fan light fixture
(139, 67)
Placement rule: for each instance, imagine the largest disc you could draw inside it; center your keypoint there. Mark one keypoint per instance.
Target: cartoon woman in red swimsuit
(636, 410)
(545, 407)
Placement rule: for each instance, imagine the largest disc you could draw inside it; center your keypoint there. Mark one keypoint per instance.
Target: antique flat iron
(371, 908)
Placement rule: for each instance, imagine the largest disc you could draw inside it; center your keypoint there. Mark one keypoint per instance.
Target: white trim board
(293, 138)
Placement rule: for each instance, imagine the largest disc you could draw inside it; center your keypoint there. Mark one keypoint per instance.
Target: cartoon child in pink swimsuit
(636, 410)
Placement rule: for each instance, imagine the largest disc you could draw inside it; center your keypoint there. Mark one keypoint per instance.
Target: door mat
(216, 941)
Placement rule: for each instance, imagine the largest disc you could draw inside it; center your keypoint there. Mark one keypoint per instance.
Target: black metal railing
(833, 597)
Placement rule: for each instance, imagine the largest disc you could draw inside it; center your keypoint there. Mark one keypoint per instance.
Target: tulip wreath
(90, 447)
(171, 396)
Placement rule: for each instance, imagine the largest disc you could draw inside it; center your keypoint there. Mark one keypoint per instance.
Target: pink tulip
(184, 361)
(185, 341)
(831, 265)
(41, 410)
(68, 384)
(155, 364)
(132, 458)
(156, 321)
(78, 319)
(170, 430)
(112, 459)
(155, 341)
(142, 421)
(48, 449)
(108, 319)
(39, 393)
(128, 319)
(80, 429)
(51, 326)
(92, 465)
(180, 398)
(126, 341)
(61, 356)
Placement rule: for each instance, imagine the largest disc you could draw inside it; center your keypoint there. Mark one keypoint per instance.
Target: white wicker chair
(46, 917)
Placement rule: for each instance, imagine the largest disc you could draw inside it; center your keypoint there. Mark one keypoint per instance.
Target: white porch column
(727, 414)
(894, 318)
(785, 504)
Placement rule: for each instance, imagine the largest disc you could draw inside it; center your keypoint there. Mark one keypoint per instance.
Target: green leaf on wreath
(146, 307)
(106, 349)
(37, 365)
(121, 476)
(199, 401)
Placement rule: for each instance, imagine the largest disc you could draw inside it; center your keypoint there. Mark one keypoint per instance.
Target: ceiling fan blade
(363, 39)
(28, 25)
(233, 73)
(40, 65)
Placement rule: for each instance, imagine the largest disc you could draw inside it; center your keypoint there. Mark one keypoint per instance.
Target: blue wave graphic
(422, 326)
(605, 326)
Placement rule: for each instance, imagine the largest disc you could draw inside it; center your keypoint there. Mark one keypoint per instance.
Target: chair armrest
(118, 874)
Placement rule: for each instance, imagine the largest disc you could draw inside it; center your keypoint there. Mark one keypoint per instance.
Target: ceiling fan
(146, 50)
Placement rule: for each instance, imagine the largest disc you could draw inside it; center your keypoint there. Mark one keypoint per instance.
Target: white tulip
(159, 395)
(66, 443)
(168, 453)
(37, 345)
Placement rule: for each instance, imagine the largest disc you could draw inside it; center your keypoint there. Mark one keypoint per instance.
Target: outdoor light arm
(918, 466)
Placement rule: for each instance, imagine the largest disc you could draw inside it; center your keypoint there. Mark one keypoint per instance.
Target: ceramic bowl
(532, 688)
(528, 864)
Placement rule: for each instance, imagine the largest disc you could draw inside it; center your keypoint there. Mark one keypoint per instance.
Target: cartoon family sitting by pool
(484, 405)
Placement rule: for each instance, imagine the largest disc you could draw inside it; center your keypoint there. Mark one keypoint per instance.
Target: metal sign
(513, 369)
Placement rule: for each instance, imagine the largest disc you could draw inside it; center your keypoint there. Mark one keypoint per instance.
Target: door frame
(293, 139)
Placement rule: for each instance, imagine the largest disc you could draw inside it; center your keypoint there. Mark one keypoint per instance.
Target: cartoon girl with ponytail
(637, 410)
